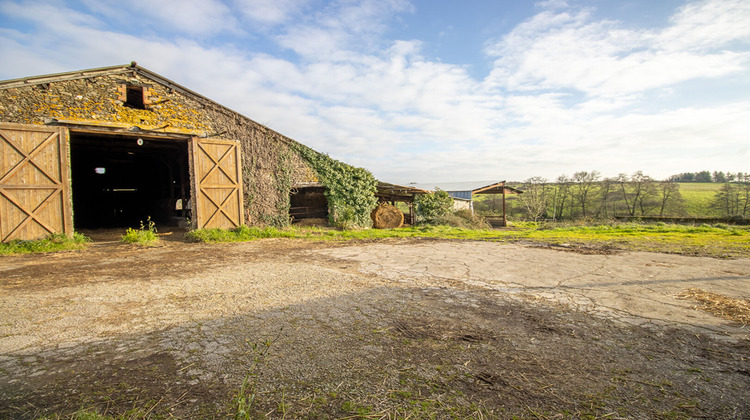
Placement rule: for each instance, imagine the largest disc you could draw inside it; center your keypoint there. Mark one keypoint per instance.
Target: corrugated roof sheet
(455, 186)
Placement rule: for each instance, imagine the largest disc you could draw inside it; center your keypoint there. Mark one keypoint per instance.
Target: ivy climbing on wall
(283, 181)
(350, 191)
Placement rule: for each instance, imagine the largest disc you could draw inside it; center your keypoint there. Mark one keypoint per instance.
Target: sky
(436, 90)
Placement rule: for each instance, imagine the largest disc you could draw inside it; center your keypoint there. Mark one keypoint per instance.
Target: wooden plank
(34, 182)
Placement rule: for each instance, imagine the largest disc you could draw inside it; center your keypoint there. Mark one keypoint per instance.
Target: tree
(584, 183)
(560, 195)
(683, 177)
(534, 197)
(670, 197)
(703, 176)
(733, 199)
(637, 192)
(606, 192)
(647, 188)
(623, 180)
(719, 177)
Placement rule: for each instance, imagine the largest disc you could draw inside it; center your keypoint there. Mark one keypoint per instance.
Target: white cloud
(567, 93)
(707, 24)
(602, 58)
(188, 17)
(332, 34)
(191, 16)
(271, 12)
(552, 4)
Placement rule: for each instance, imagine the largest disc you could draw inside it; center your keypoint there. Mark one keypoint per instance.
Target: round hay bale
(386, 216)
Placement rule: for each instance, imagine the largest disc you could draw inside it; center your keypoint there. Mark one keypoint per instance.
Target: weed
(244, 402)
(357, 409)
(145, 236)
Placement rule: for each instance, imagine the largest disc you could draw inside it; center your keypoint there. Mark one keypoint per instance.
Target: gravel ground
(393, 328)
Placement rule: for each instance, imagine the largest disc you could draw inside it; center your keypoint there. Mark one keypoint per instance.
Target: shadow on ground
(391, 351)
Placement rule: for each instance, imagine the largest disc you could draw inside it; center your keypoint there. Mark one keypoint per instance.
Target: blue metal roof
(455, 187)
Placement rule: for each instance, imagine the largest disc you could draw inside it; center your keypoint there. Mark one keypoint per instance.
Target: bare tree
(669, 194)
(584, 183)
(606, 192)
(560, 195)
(647, 201)
(733, 199)
(636, 192)
(623, 180)
(534, 197)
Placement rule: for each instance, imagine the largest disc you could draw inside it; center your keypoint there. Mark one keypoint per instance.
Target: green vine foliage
(283, 180)
(350, 191)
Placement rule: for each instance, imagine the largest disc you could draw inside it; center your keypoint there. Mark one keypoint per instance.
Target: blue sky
(435, 91)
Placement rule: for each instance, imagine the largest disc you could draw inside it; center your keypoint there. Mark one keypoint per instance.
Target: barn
(113, 146)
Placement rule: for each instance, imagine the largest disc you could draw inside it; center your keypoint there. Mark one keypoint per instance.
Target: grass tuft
(52, 243)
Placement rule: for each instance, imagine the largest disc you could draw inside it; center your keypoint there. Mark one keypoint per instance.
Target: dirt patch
(390, 329)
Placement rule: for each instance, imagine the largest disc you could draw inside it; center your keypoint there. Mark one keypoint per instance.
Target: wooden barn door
(217, 183)
(34, 182)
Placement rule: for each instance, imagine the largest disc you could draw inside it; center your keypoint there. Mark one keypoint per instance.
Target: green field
(698, 197)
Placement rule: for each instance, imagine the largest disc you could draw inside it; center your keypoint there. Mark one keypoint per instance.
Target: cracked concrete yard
(403, 328)
(637, 287)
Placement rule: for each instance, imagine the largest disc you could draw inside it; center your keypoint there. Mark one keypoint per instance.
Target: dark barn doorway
(121, 181)
(308, 203)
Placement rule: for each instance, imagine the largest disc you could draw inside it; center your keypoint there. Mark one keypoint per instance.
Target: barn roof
(127, 69)
(132, 68)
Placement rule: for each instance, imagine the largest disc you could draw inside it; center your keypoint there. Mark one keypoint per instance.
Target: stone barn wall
(270, 164)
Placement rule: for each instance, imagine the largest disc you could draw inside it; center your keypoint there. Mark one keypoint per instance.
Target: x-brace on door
(34, 182)
(217, 183)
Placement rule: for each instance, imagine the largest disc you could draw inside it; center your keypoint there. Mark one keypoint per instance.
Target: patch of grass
(240, 234)
(709, 240)
(716, 241)
(145, 235)
(356, 409)
(52, 243)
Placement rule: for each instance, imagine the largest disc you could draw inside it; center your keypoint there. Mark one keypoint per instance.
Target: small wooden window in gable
(132, 96)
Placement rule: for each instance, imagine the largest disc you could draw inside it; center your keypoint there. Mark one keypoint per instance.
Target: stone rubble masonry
(99, 100)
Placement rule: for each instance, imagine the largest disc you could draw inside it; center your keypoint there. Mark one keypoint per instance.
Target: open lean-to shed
(463, 194)
(110, 147)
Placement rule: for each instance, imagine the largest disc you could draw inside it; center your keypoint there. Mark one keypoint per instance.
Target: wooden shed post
(505, 221)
